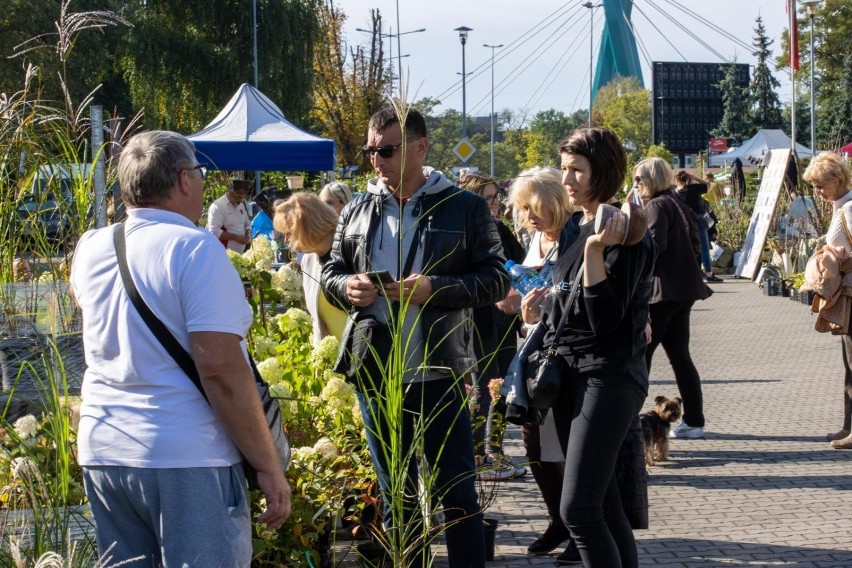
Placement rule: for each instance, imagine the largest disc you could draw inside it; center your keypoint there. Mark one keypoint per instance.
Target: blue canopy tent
(251, 133)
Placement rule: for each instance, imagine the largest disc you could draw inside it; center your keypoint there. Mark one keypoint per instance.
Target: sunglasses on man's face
(385, 151)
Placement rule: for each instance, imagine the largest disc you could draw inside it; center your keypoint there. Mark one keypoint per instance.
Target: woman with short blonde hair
(540, 190)
(676, 286)
(308, 225)
(829, 175)
(336, 195)
(306, 222)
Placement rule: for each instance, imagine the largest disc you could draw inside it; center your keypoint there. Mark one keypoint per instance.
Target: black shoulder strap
(572, 297)
(157, 327)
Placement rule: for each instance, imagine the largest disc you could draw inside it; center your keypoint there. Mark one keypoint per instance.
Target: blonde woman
(336, 195)
(677, 285)
(308, 226)
(829, 175)
(539, 196)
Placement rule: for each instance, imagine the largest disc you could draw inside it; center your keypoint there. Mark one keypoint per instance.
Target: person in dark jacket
(691, 190)
(602, 347)
(676, 286)
(495, 342)
(412, 327)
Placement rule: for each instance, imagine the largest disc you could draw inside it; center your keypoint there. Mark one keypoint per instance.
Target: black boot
(548, 477)
(553, 536)
(571, 555)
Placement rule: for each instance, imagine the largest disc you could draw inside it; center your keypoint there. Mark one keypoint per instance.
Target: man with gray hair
(162, 466)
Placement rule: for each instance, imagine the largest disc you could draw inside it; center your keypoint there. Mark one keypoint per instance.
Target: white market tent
(755, 148)
(251, 133)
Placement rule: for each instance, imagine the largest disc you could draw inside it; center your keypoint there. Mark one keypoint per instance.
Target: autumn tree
(763, 98)
(351, 83)
(624, 107)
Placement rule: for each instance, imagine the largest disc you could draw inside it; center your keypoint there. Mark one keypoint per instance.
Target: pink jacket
(829, 275)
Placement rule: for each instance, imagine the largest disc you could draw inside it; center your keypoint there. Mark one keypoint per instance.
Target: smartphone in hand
(380, 277)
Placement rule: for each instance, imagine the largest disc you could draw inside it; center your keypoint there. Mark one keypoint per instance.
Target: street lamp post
(811, 6)
(463, 31)
(591, 8)
(492, 48)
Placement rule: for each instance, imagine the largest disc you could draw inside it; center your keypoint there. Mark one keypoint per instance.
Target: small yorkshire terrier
(656, 424)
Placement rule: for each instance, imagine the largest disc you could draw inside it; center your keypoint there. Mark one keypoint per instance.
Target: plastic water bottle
(523, 277)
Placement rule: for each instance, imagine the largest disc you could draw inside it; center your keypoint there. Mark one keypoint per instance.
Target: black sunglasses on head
(385, 151)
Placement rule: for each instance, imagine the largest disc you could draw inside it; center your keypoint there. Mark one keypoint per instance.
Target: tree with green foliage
(624, 107)
(735, 118)
(832, 30)
(547, 129)
(763, 98)
(350, 84)
(182, 61)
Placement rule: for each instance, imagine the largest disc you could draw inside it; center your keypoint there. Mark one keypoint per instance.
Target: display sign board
(764, 209)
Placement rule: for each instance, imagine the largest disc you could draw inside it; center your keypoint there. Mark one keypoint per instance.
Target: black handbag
(544, 371)
(270, 406)
(364, 359)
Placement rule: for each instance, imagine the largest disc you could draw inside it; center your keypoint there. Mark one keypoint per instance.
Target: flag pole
(794, 56)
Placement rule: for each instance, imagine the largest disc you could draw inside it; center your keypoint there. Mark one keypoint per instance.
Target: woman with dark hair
(601, 348)
(495, 343)
(677, 286)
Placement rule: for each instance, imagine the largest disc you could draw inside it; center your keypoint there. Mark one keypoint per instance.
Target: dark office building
(687, 105)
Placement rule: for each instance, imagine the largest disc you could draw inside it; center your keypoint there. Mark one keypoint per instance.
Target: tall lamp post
(492, 48)
(591, 8)
(811, 6)
(463, 31)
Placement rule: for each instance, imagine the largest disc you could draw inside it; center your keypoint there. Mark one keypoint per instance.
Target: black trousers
(670, 328)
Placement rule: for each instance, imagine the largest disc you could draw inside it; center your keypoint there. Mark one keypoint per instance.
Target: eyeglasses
(200, 168)
(493, 198)
(386, 151)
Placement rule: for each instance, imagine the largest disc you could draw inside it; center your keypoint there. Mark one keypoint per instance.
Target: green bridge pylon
(617, 55)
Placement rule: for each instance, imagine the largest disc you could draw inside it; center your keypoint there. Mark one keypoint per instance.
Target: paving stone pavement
(763, 488)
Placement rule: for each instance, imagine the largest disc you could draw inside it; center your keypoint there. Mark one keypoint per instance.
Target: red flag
(794, 34)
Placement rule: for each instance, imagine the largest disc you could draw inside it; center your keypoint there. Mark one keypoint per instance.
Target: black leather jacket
(465, 258)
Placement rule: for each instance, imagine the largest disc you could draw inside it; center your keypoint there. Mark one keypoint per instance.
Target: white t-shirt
(139, 408)
(232, 218)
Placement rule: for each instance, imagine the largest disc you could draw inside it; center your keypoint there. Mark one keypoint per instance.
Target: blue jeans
(705, 250)
(438, 410)
(592, 421)
(173, 517)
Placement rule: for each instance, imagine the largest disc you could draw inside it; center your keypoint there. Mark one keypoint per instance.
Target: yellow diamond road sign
(464, 149)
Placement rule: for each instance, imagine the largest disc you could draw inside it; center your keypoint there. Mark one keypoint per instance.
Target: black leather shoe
(571, 555)
(554, 536)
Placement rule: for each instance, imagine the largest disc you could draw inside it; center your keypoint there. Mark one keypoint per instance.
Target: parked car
(42, 218)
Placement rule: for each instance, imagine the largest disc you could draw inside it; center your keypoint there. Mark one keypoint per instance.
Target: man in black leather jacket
(410, 330)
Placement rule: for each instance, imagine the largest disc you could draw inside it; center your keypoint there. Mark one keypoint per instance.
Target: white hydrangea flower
(271, 370)
(295, 320)
(264, 347)
(304, 453)
(326, 447)
(325, 354)
(26, 426)
(339, 395)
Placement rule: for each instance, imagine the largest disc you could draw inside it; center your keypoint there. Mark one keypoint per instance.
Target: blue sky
(534, 78)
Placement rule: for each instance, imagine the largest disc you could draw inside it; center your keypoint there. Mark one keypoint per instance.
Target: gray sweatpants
(174, 518)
